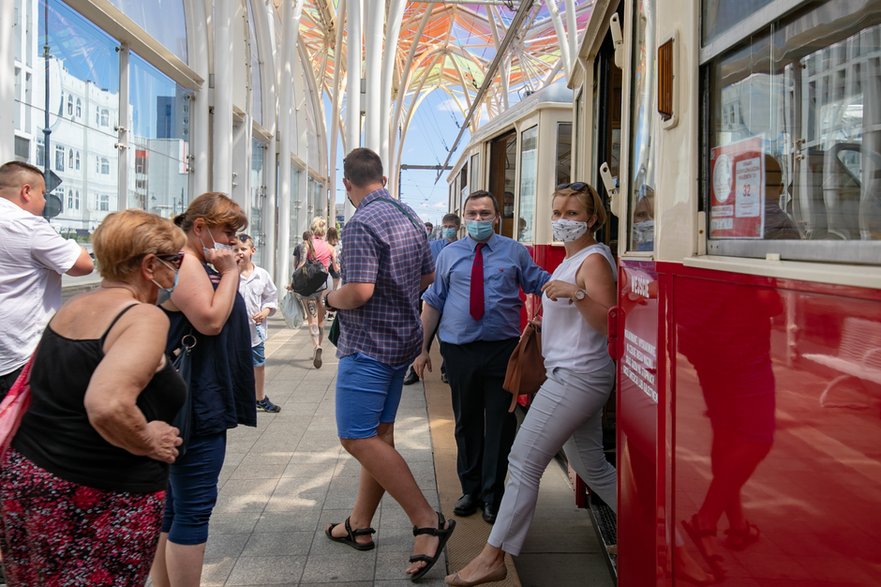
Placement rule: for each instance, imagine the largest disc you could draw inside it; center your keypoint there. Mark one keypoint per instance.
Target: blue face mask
(449, 232)
(479, 230)
(165, 292)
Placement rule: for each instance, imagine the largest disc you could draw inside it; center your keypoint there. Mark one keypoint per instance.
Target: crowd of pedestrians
(113, 475)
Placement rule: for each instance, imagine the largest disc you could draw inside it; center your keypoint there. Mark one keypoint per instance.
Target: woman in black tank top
(82, 487)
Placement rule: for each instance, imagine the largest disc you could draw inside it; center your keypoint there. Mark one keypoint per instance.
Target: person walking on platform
(386, 263)
(33, 260)
(449, 234)
(581, 375)
(476, 299)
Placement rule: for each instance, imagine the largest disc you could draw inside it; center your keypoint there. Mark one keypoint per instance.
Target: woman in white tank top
(580, 378)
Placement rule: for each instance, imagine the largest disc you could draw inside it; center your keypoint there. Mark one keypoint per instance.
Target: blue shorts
(258, 355)
(192, 490)
(367, 394)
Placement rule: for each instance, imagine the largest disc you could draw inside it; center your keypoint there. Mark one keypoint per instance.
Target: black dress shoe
(466, 505)
(411, 377)
(489, 514)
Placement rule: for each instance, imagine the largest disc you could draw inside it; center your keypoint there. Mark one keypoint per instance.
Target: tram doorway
(501, 178)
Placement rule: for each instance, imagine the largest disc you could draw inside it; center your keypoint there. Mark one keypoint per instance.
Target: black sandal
(697, 535)
(349, 538)
(443, 531)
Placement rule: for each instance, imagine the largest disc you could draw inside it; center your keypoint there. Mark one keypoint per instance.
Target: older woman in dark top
(208, 306)
(83, 485)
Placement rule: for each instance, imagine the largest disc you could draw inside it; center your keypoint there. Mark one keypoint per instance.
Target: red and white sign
(737, 190)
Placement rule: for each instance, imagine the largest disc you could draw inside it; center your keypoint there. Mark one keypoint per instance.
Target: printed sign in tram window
(737, 190)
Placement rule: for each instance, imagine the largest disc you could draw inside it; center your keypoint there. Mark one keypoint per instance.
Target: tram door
(502, 174)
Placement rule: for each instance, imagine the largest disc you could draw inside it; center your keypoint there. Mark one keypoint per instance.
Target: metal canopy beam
(522, 11)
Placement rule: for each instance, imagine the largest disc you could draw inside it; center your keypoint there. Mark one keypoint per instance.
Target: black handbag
(309, 278)
(183, 364)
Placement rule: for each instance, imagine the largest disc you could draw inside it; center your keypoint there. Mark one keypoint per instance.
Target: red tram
(739, 145)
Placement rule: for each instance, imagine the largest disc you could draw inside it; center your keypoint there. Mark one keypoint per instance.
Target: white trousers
(568, 404)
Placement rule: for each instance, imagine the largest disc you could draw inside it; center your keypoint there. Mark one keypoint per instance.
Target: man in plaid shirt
(386, 263)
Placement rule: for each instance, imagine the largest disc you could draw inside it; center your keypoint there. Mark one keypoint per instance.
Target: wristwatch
(580, 295)
(327, 302)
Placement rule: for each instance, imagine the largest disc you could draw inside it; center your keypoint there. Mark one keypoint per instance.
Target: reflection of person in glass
(778, 224)
(730, 350)
(643, 228)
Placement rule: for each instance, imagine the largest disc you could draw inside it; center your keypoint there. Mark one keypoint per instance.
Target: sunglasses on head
(244, 237)
(576, 186)
(174, 259)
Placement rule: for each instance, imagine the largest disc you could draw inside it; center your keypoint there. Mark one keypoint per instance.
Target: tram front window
(794, 153)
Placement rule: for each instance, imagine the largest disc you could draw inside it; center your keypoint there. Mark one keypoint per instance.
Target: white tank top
(567, 340)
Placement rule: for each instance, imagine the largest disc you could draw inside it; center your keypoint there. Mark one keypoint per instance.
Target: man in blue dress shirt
(449, 234)
(479, 328)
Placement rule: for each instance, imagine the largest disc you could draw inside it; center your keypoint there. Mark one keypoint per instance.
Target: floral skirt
(58, 533)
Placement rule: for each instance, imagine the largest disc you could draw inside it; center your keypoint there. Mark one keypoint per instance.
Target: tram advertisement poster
(737, 190)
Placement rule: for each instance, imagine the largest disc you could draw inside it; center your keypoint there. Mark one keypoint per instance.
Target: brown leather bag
(526, 367)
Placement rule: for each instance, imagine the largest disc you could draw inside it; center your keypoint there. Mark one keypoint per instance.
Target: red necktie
(477, 283)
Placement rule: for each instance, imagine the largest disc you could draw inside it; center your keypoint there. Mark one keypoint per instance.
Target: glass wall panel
(794, 149)
(643, 129)
(258, 200)
(298, 208)
(82, 75)
(164, 20)
(159, 139)
(528, 172)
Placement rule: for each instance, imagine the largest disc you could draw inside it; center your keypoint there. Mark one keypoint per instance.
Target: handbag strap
(396, 204)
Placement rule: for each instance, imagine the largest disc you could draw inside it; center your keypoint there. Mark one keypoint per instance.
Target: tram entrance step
(604, 523)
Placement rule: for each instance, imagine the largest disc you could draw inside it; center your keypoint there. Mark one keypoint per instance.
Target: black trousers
(484, 428)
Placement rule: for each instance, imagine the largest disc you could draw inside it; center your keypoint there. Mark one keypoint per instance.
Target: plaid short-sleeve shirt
(383, 246)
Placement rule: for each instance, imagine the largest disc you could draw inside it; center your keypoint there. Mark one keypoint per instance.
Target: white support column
(221, 178)
(353, 82)
(7, 74)
(393, 32)
(197, 49)
(123, 133)
(335, 109)
(565, 55)
(572, 32)
(373, 51)
(285, 140)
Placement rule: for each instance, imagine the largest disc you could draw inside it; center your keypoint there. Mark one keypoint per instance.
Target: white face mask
(568, 230)
(216, 245)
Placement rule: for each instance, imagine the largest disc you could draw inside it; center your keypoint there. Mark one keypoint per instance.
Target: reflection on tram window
(718, 16)
(643, 237)
(807, 96)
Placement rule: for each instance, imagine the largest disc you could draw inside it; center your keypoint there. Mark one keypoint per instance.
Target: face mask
(450, 232)
(216, 245)
(165, 292)
(509, 210)
(643, 235)
(479, 230)
(568, 230)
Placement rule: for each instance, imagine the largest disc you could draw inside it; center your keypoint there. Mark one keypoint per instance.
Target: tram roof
(457, 44)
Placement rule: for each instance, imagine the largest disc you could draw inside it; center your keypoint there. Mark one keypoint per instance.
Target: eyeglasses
(174, 259)
(577, 186)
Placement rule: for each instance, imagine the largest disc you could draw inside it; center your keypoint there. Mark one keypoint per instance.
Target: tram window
(564, 153)
(475, 163)
(528, 173)
(643, 128)
(794, 153)
(718, 16)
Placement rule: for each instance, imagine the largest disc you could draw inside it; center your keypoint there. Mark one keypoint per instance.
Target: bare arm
(430, 320)
(207, 308)
(83, 264)
(119, 379)
(594, 277)
(351, 295)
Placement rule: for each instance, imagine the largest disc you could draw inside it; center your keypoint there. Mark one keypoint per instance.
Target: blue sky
(431, 133)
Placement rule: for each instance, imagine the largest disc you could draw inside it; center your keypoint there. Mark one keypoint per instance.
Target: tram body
(748, 327)
(738, 144)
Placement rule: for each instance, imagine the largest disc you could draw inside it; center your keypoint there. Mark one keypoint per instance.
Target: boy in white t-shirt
(261, 295)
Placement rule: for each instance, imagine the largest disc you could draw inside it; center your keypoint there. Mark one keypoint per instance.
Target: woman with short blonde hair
(83, 486)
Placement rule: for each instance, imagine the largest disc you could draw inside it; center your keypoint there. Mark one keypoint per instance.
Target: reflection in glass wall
(795, 150)
(159, 137)
(643, 128)
(528, 172)
(82, 75)
(258, 199)
(164, 20)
